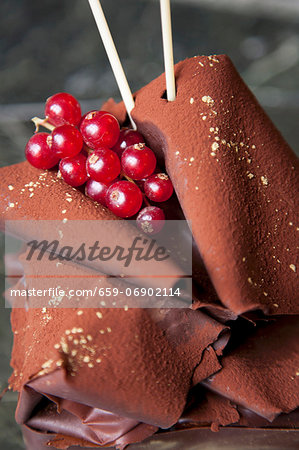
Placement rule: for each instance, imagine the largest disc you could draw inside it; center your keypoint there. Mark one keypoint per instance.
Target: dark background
(47, 46)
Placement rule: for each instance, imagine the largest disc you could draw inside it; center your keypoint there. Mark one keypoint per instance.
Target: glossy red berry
(73, 170)
(63, 108)
(138, 161)
(84, 115)
(66, 141)
(103, 165)
(39, 151)
(124, 198)
(99, 129)
(158, 187)
(127, 137)
(97, 191)
(151, 220)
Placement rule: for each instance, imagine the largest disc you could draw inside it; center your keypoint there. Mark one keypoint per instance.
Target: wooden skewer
(168, 49)
(112, 54)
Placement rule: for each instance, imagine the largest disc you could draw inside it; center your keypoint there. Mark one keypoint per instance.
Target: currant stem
(42, 122)
(146, 200)
(123, 175)
(87, 149)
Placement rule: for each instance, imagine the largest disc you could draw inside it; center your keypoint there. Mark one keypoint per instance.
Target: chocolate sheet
(283, 421)
(209, 408)
(71, 422)
(235, 177)
(262, 373)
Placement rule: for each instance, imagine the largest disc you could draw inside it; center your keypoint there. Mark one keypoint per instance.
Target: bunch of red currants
(118, 168)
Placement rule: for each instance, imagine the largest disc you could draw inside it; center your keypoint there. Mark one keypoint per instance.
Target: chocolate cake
(94, 377)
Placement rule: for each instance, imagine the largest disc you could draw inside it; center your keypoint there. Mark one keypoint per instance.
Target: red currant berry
(100, 129)
(158, 187)
(151, 220)
(39, 151)
(97, 191)
(66, 141)
(103, 165)
(124, 198)
(73, 170)
(127, 137)
(63, 108)
(138, 161)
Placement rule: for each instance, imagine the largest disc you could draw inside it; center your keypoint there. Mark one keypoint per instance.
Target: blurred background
(53, 45)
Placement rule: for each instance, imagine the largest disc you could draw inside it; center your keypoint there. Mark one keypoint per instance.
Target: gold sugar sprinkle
(207, 99)
(47, 364)
(215, 146)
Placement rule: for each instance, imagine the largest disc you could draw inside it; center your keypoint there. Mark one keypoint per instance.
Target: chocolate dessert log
(144, 359)
(145, 379)
(29, 194)
(235, 177)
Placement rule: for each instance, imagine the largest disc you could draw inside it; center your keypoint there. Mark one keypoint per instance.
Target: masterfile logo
(99, 263)
(141, 249)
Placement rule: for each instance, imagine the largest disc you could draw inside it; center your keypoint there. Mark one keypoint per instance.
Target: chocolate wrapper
(236, 179)
(38, 195)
